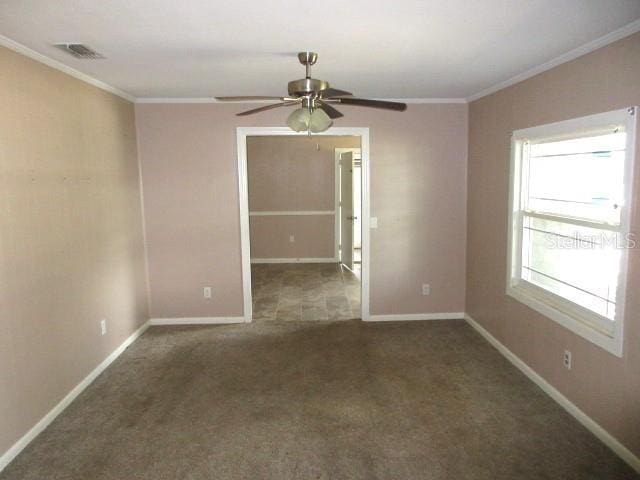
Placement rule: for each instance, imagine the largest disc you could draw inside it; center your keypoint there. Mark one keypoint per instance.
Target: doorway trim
(337, 152)
(243, 194)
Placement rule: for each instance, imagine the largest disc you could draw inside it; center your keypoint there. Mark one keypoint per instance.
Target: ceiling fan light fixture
(319, 121)
(316, 114)
(299, 120)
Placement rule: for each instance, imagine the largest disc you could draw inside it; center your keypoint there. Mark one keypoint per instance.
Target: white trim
(579, 320)
(38, 57)
(245, 239)
(365, 247)
(337, 190)
(590, 424)
(588, 47)
(408, 101)
(403, 317)
(241, 135)
(336, 204)
(597, 123)
(295, 260)
(196, 320)
(291, 213)
(603, 340)
(45, 421)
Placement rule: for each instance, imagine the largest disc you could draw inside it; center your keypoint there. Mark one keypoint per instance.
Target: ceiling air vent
(79, 51)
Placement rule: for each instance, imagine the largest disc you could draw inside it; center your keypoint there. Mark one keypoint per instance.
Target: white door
(346, 209)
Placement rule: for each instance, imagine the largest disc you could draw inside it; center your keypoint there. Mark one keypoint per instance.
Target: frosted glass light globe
(319, 121)
(299, 120)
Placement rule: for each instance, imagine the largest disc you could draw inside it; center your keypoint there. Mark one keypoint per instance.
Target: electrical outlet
(103, 326)
(426, 289)
(292, 239)
(567, 359)
(206, 292)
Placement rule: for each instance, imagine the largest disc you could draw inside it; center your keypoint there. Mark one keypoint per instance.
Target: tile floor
(304, 291)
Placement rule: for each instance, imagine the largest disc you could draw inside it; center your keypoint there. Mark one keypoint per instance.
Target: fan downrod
(307, 86)
(307, 59)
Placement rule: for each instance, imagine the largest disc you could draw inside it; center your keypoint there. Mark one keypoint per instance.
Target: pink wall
(607, 388)
(293, 174)
(71, 237)
(313, 236)
(418, 193)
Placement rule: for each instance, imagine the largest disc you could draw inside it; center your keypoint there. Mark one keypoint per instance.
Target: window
(569, 222)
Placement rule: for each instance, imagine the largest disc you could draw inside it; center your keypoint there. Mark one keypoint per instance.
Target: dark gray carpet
(315, 400)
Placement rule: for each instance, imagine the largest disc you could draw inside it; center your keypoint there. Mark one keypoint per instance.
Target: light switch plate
(373, 222)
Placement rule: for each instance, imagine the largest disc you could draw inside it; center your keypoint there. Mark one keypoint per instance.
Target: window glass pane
(579, 178)
(577, 263)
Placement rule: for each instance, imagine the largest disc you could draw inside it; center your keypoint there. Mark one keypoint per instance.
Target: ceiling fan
(315, 98)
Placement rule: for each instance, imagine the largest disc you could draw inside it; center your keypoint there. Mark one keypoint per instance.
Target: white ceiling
(374, 48)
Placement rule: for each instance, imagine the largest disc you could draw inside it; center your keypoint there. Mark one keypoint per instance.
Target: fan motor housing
(306, 86)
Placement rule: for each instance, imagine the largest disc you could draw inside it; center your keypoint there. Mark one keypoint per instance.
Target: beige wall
(418, 193)
(313, 236)
(71, 241)
(607, 388)
(293, 174)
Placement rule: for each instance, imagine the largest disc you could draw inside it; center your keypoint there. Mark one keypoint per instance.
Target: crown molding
(588, 47)
(39, 57)
(213, 100)
(26, 51)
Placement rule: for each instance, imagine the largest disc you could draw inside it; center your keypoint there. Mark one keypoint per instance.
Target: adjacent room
(304, 211)
(253, 240)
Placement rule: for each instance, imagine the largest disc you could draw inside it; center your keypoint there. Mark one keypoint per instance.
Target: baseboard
(44, 422)
(604, 436)
(416, 316)
(196, 320)
(590, 424)
(295, 260)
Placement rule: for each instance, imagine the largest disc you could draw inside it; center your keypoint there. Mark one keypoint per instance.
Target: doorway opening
(304, 204)
(349, 201)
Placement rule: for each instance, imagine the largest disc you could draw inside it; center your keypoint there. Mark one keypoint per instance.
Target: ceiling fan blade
(246, 98)
(329, 110)
(334, 92)
(267, 107)
(364, 102)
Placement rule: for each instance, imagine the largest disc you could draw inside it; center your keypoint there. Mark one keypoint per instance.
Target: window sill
(611, 343)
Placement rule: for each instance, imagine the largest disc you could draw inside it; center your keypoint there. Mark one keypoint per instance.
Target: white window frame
(570, 315)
